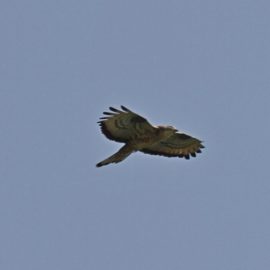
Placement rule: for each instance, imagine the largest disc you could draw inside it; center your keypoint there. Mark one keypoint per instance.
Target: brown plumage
(138, 134)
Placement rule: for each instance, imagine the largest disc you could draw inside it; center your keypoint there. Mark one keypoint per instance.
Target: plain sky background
(201, 66)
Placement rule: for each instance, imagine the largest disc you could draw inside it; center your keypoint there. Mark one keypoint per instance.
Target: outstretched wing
(121, 126)
(178, 145)
(123, 153)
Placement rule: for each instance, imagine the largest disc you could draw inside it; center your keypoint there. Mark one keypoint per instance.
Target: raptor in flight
(138, 134)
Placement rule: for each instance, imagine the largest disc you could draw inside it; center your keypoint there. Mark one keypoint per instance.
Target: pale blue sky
(201, 66)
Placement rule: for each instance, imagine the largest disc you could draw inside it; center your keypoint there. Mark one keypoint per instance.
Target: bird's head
(167, 130)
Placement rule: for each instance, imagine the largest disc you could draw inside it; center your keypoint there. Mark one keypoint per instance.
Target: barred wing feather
(177, 145)
(121, 126)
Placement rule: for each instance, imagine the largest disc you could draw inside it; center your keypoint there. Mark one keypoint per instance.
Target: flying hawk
(139, 135)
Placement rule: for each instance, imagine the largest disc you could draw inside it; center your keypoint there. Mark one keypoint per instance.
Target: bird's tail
(123, 153)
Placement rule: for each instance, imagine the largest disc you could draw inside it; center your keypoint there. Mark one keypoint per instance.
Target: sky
(201, 66)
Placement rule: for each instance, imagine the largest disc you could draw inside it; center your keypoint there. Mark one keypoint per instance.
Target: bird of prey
(138, 134)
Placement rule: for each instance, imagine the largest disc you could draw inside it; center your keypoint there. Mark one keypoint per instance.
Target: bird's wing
(123, 153)
(121, 126)
(177, 145)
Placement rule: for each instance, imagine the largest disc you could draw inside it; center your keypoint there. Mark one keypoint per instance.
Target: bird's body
(139, 135)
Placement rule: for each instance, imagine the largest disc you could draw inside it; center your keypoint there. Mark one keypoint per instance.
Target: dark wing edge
(108, 134)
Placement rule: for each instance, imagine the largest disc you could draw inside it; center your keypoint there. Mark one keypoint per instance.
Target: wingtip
(109, 113)
(201, 145)
(125, 108)
(114, 110)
